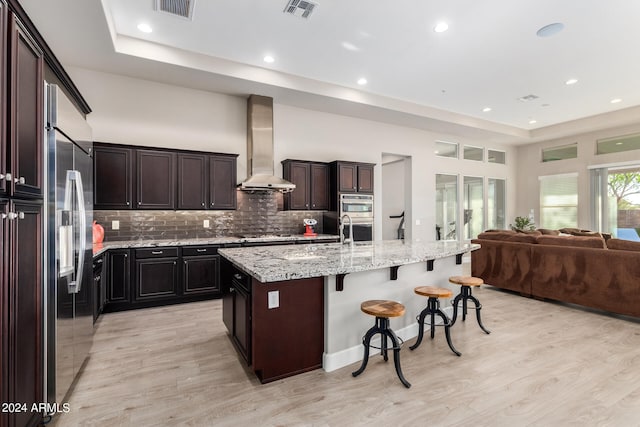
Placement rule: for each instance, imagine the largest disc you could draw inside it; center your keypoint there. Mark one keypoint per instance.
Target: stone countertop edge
(100, 248)
(274, 264)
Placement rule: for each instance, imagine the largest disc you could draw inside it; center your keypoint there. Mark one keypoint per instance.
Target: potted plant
(523, 223)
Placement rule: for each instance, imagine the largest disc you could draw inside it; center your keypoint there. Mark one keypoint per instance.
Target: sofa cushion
(529, 232)
(573, 241)
(508, 236)
(623, 245)
(548, 232)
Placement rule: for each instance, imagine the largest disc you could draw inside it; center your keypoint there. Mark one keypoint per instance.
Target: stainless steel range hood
(260, 148)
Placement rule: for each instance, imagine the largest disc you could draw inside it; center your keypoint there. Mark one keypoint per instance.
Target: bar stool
(433, 308)
(466, 283)
(382, 310)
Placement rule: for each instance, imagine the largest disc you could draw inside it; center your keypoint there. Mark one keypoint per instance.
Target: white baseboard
(340, 359)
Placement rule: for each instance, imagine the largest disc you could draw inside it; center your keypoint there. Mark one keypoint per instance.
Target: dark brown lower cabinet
(156, 278)
(22, 307)
(118, 276)
(201, 274)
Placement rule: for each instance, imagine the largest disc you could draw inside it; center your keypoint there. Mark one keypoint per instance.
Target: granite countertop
(271, 264)
(99, 248)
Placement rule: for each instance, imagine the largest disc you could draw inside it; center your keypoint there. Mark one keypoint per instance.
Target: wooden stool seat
(433, 291)
(382, 308)
(466, 280)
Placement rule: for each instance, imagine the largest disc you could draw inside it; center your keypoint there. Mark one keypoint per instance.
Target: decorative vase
(98, 232)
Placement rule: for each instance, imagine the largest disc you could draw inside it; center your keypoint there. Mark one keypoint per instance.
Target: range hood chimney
(260, 148)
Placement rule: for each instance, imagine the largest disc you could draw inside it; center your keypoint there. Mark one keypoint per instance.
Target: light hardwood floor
(544, 364)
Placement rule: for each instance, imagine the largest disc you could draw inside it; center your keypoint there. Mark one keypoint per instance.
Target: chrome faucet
(342, 238)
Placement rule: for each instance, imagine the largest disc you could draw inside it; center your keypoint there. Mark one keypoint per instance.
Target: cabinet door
(4, 163)
(4, 308)
(156, 278)
(299, 174)
(192, 181)
(319, 186)
(155, 179)
(347, 177)
(26, 112)
(242, 322)
(26, 308)
(112, 177)
(222, 182)
(365, 178)
(201, 274)
(118, 277)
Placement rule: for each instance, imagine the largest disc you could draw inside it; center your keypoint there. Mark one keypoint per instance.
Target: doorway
(617, 201)
(396, 182)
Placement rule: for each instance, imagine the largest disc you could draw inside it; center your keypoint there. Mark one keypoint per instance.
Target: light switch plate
(115, 225)
(274, 299)
(417, 222)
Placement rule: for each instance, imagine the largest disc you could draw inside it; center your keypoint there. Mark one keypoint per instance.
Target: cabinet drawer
(156, 253)
(199, 250)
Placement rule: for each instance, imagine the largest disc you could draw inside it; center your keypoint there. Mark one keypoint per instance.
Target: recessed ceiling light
(618, 143)
(362, 81)
(441, 27)
(571, 82)
(486, 109)
(616, 100)
(268, 59)
(550, 30)
(533, 122)
(350, 46)
(144, 27)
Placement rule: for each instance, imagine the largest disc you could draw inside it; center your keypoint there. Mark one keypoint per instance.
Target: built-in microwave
(357, 205)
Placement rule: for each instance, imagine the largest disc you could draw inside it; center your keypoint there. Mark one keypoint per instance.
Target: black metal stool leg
(447, 334)
(421, 317)
(478, 308)
(465, 295)
(455, 303)
(384, 325)
(366, 342)
(396, 357)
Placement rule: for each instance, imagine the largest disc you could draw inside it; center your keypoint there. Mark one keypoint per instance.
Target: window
(473, 153)
(560, 153)
(446, 149)
(496, 203)
(559, 201)
(618, 143)
(473, 206)
(446, 207)
(495, 156)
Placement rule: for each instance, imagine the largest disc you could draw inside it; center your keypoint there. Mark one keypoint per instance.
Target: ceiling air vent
(300, 8)
(182, 8)
(528, 98)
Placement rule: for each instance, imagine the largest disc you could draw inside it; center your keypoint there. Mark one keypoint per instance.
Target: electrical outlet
(274, 299)
(205, 223)
(115, 225)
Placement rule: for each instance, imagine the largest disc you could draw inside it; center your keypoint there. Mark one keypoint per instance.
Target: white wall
(530, 167)
(141, 112)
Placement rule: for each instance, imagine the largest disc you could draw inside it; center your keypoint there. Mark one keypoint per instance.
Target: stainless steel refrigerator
(68, 253)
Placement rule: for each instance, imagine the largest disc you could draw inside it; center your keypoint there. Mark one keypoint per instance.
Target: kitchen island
(306, 299)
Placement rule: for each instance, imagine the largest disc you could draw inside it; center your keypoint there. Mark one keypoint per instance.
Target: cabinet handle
(232, 289)
(20, 215)
(7, 176)
(354, 188)
(156, 252)
(213, 203)
(306, 205)
(314, 205)
(4, 215)
(1, 176)
(175, 262)
(139, 203)
(201, 250)
(126, 255)
(12, 216)
(237, 276)
(202, 203)
(19, 180)
(127, 203)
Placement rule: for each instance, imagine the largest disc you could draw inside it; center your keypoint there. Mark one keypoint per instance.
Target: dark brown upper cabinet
(354, 177)
(155, 179)
(26, 130)
(112, 177)
(312, 185)
(193, 181)
(222, 182)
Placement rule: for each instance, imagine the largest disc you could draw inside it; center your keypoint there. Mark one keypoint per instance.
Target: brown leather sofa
(584, 270)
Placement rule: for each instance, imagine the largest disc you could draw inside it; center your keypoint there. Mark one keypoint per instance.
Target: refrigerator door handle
(72, 175)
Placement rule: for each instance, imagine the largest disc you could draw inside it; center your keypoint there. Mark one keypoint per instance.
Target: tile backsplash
(257, 213)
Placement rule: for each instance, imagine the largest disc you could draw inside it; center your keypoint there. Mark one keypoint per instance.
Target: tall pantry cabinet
(24, 59)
